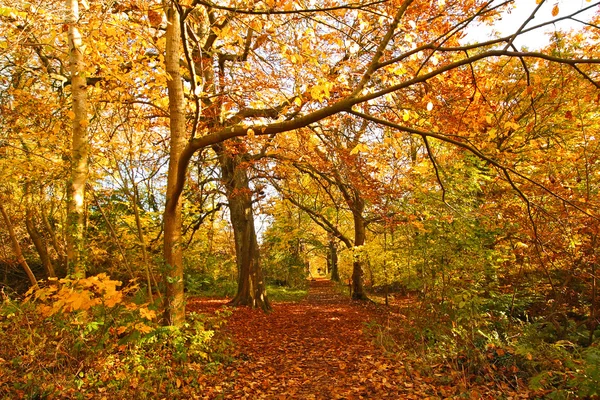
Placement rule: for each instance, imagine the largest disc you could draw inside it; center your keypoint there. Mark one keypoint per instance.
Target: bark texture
(174, 306)
(251, 286)
(333, 261)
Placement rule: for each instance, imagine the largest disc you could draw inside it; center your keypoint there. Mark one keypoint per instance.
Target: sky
(539, 38)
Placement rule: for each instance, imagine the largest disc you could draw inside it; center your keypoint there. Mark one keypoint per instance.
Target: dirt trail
(314, 349)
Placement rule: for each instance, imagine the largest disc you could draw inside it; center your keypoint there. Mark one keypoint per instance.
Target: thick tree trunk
(251, 286)
(79, 146)
(358, 292)
(174, 312)
(39, 243)
(17, 247)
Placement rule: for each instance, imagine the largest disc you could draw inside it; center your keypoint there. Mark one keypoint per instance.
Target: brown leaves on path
(312, 349)
(315, 349)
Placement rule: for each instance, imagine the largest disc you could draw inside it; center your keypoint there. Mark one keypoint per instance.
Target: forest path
(313, 349)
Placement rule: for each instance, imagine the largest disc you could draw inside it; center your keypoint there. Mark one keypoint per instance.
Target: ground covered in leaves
(322, 348)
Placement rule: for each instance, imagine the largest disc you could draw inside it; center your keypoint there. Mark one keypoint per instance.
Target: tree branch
(476, 152)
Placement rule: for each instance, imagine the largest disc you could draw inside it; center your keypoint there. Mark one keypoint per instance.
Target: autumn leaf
(361, 147)
(155, 18)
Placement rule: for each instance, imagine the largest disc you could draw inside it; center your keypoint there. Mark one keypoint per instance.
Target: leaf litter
(319, 349)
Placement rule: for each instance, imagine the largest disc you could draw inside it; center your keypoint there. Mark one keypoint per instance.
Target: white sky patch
(539, 38)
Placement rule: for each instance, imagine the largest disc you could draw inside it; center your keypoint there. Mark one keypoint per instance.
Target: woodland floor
(318, 349)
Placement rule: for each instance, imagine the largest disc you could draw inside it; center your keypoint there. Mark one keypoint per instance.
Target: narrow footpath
(322, 348)
(314, 349)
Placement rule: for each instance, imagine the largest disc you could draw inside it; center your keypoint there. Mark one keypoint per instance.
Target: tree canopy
(390, 144)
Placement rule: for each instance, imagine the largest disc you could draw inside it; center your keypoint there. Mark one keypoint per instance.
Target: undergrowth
(205, 286)
(87, 338)
(470, 340)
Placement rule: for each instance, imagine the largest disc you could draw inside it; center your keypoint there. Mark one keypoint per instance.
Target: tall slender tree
(79, 143)
(173, 251)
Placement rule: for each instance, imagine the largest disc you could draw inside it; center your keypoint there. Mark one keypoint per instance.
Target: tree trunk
(251, 286)
(358, 292)
(79, 146)
(17, 247)
(333, 260)
(174, 307)
(39, 243)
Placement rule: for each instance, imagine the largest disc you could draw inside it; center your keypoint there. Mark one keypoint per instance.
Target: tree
(392, 63)
(17, 247)
(251, 284)
(79, 143)
(291, 244)
(342, 178)
(175, 303)
(239, 74)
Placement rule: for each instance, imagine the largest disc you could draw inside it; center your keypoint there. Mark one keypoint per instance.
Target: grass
(281, 293)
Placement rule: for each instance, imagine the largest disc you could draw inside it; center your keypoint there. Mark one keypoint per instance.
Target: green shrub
(206, 286)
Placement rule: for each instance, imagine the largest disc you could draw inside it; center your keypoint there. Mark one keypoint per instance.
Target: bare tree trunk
(17, 247)
(79, 146)
(251, 286)
(173, 275)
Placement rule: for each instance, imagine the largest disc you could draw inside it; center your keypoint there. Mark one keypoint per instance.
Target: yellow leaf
(113, 299)
(71, 114)
(143, 328)
(359, 147)
(146, 313)
(256, 25)
(298, 101)
(555, 10)
(226, 31)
